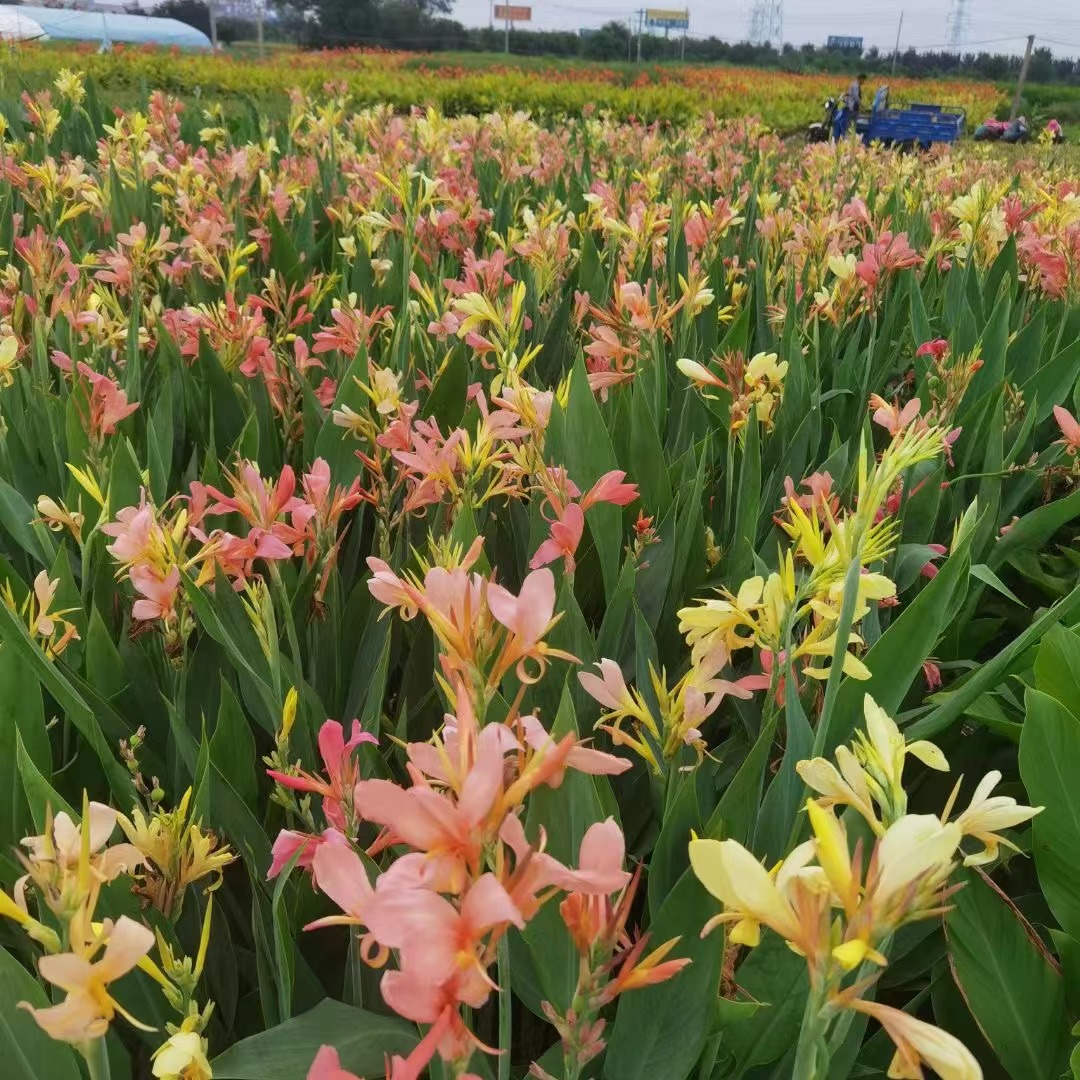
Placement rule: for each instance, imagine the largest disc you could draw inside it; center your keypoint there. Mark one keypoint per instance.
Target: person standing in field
(850, 105)
(854, 94)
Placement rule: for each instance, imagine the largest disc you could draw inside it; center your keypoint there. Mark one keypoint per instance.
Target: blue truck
(914, 126)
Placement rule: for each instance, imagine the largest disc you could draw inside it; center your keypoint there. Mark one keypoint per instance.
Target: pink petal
(488, 904)
(339, 872)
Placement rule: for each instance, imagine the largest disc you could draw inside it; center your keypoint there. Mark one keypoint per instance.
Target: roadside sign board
(513, 13)
(667, 19)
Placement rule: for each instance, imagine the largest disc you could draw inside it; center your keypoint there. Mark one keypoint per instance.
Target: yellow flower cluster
(800, 617)
(839, 908)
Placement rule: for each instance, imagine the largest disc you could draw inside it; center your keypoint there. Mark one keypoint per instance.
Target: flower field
(501, 596)
(405, 80)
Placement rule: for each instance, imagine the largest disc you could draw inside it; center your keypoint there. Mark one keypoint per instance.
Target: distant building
(103, 27)
(846, 44)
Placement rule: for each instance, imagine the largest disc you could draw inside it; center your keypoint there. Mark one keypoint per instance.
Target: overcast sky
(1056, 22)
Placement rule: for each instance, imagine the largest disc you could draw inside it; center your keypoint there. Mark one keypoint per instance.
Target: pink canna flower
(696, 231)
(820, 500)
(287, 844)
(609, 687)
(391, 590)
(601, 856)
(258, 502)
(133, 529)
(891, 417)
(108, 403)
(451, 832)
(936, 348)
(581, 758)
(610, 489)
(527, 615)
(327, 1066)
(339, 872)
(442, 952)
(1070, 429)
(535, 872)
(157, 594)
(565, 536)
(342, 771)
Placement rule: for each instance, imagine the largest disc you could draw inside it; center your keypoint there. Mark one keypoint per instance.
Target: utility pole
(682, 51)
(896, 49)
(259, 28)
(1023, 77)
(640, 28)
(211, 7)
(506, 31)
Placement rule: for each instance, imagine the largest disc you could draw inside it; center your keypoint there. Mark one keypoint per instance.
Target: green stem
(505, 1004)
(287, 614)
(811, 1043)
(836, 669)
(97, 1059)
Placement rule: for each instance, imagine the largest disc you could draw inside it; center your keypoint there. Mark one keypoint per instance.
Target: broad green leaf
(16, 515)
(774, 976)
(22, 718)
(232, 747)
(446, 402)
(661, 1030)
(16, 638)
(565, 814)
(671, 854)
(736, 813)
(783, 801)
(990, 673)
(1050, 766)
(27, 1052)
(1057, 667)
(987, 576)
(1008, 981)
(362, 1040)
(589, 454)
(40, 794)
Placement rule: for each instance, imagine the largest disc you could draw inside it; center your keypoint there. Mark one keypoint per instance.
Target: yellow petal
(832, 849)
(928, 754)
(746, 932)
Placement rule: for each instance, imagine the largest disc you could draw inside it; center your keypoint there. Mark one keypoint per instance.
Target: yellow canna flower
(9, 350)
(843, 266)
(718, 622)
(765, 368)
(89, 1007)
(747, 890)
(833, 856)
(288, 715)
(916, 850)
(881, 752)
(88, 483)
(986, 815)
(182, 1057)
(843, 784)
(919, 1042)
